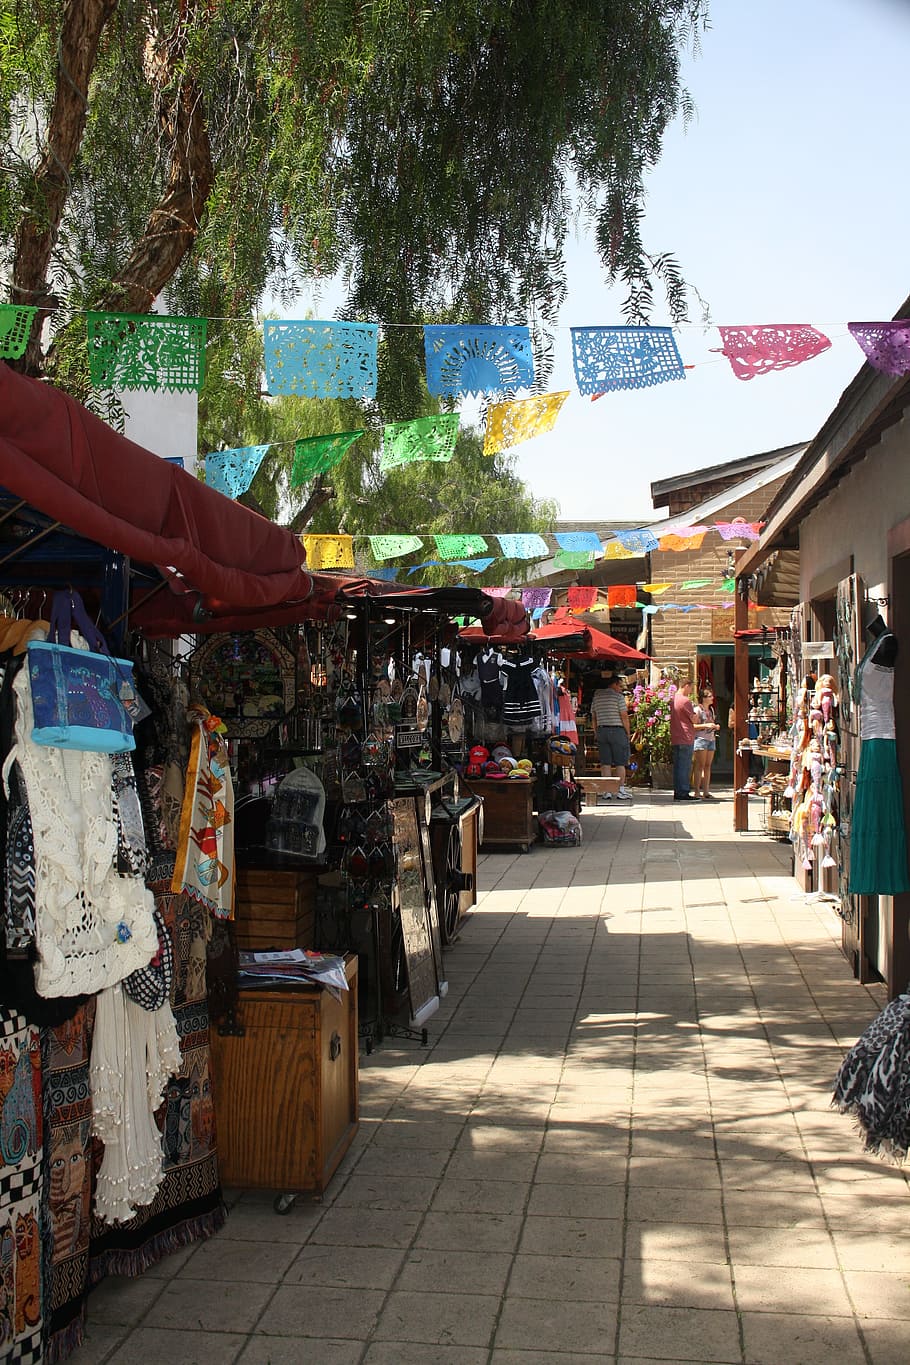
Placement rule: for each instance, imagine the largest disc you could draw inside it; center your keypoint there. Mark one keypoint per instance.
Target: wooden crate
(275, 908)
(286, 1088)
(507, 811)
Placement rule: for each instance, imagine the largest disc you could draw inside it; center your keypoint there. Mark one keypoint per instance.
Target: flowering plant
(649, 720)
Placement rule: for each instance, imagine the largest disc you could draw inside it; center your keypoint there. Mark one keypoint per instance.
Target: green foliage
(425, 151)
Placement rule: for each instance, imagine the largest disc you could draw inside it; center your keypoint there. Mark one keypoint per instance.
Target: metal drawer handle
(334, 1047)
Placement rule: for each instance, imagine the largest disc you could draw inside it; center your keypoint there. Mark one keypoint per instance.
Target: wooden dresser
(286, 1090)
(275, 908)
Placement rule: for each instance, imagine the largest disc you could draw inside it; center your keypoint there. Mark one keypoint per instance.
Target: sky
(786, 200)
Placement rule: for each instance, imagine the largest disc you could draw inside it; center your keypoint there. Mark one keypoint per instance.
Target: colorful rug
(21, 1188)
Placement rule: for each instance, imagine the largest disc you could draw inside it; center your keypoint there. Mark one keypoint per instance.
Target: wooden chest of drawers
(274, 908)
(286, 1090)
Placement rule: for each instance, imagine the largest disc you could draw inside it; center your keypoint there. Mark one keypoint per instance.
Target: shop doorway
(714, 669)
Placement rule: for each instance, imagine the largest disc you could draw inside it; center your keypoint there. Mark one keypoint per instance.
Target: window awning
(72, 467)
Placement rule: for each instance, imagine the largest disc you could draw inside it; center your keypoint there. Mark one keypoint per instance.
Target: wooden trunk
(508, 817)
(286, 1090)
(275, 908)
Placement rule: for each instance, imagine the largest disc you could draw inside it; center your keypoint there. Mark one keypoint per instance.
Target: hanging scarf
(205, 853)
(873, 1083)
(134, 1051)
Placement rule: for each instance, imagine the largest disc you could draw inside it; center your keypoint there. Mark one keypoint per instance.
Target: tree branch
(77, 51)
(320, 494)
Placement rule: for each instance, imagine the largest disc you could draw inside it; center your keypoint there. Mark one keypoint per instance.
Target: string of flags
(332, 359)
(476, 553)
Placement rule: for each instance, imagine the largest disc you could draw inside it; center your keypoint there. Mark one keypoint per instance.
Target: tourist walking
(610, 717)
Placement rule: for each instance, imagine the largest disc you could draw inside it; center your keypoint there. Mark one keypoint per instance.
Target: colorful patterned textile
(508, 424)
(581, 598)
(614, 549)
(205, 853)
(146, 351)
(386, 575)
(476, 360)
(426, 438)
(532, 598)
(578, 540)
(459, 547)
(655, 589)
(574, 559)
(609, 358)
(686, 538)
(728, 585)
(886, 345)
(329, 552)
(22, 1291)
(318, 454)
(758, 350)
(641, 541)
(738, 529)
(65, 1054)
(622, 595)
(232, 471)
(695, 583)
(321, 359)
(391, 547)
(15, 329)
(523, 545)
(496, 592)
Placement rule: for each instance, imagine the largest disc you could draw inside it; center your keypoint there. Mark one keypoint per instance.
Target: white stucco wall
(165, 423)
(856, 516)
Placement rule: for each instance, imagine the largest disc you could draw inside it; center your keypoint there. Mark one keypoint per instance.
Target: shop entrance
(714, 669)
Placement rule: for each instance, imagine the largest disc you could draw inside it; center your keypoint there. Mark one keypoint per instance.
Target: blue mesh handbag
(79, 697)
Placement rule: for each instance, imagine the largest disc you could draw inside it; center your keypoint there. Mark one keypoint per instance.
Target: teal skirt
(878, 840)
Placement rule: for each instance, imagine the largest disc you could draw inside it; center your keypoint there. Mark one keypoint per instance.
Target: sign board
(818, 649)
(409, 739)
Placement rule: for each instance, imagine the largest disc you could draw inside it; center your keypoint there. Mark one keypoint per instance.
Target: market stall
(129, 868)
(539, 732)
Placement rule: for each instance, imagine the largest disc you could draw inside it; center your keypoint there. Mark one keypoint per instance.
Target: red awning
(72, 467)
(582, 642)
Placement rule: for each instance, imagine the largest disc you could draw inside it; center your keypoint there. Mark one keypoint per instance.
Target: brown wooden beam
(740, 705)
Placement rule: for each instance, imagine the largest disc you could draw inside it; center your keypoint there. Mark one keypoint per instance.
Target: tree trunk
(320, 494)
(80, 34)
(174, 222)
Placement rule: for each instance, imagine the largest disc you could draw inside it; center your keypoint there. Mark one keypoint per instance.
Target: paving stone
(771, 1338)
(438, 1319)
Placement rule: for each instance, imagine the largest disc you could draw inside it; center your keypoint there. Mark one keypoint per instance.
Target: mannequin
(878, 841)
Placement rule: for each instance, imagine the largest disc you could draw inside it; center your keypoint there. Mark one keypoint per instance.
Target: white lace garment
(93, 926)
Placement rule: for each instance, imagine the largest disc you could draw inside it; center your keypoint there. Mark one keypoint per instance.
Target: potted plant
(649, 723)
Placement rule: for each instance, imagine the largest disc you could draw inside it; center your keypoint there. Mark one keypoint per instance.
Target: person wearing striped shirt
(611, 720)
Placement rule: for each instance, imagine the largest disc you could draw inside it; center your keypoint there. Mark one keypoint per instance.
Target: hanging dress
(878, 841)
(521, 705)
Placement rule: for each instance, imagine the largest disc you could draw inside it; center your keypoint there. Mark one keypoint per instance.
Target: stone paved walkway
(618, 1147)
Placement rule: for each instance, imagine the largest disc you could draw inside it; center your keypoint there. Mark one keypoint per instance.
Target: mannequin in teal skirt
(878, 841)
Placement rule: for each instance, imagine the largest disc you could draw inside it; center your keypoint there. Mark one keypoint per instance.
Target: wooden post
(740, 705)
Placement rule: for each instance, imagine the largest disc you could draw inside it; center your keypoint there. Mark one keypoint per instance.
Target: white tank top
(876, 695)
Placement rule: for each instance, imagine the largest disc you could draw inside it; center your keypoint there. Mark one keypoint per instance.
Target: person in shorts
(611, 721)
(706, 729)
